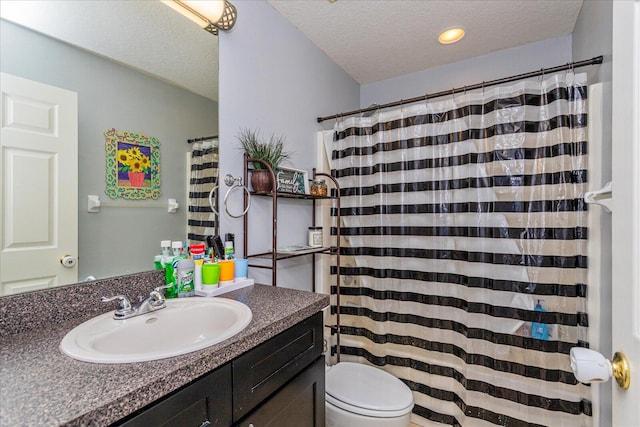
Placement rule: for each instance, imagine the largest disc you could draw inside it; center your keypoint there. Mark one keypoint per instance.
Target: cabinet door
(300, 403)
(205, 402)
(263, 370)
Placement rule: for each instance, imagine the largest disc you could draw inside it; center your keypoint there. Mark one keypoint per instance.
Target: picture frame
(132, 165)
(290, 180)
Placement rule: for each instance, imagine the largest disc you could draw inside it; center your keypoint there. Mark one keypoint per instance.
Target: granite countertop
(41, 386)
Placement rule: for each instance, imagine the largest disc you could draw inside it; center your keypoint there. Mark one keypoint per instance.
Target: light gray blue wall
(116, 240)
(592, 36)
(503, 63)
(273, 78)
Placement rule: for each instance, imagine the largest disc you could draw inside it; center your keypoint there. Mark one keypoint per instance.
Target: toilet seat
(365, 390)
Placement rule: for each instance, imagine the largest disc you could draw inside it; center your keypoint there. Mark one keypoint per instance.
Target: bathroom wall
(592, 36)
(503, 63)
(116, 240)
(274, 79)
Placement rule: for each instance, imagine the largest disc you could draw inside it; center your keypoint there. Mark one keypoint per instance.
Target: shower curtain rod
(204, 138)
(541, 72)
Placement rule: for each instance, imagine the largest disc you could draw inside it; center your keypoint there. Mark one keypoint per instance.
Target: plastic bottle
(197, 254)
(539, 330)
(228, 250)
(157, 262)
(166, 247)
(185, 269)
(177, 248)
(171, 276)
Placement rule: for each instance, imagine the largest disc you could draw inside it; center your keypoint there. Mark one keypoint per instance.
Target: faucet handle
(156, 296)
(159, 288)
(124, 305)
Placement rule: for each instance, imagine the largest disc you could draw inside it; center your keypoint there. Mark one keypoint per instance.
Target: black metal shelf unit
(273, 255)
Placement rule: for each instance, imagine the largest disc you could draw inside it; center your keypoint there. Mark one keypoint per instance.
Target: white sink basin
(185, 325)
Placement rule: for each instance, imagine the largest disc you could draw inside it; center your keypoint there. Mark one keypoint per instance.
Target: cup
(226, 271)
(241, 268)
(210, 274)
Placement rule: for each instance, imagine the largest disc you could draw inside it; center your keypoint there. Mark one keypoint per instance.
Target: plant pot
(261, 181)
(136, 179)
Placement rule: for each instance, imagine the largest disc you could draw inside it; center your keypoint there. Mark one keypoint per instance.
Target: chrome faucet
(155, 301)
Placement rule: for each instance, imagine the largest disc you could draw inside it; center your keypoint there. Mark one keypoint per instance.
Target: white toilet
(360, 395)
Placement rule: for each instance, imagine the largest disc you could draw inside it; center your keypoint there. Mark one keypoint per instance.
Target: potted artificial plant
(271, 152)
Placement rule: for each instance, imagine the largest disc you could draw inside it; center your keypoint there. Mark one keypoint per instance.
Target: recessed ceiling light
(451, 35)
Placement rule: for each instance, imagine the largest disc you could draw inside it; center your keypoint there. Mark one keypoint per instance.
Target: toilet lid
(366, 389)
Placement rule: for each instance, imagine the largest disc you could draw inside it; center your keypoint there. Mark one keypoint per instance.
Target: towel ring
(213, 190)
(238, 184)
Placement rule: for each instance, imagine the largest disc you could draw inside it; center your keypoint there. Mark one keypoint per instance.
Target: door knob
(589, 366)
(68, 261)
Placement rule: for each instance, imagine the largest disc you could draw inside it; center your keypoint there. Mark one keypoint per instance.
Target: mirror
(136, 66)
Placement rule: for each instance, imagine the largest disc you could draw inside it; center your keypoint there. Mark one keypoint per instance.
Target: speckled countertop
(41, 386)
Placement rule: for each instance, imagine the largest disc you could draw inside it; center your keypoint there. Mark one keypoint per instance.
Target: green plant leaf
(271, 152)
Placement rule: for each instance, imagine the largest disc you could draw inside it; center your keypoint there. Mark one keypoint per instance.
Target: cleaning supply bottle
(539, 330)
(228, 250)
(166, 247)
(177, 248)
(197, 254)
(171, 269)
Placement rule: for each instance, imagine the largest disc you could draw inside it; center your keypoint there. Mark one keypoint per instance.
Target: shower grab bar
(602, 197)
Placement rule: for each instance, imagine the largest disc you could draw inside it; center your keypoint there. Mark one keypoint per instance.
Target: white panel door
(39, 181)
(626, 205)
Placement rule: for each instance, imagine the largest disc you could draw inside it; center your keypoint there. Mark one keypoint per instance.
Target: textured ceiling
(145, 35)
(370, 39)
(378, 39)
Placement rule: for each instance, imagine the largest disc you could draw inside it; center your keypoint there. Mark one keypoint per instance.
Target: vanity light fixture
(212, 15)
(451, 35)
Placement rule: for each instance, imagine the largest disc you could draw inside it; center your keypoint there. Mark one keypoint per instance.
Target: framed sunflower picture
(133, 165)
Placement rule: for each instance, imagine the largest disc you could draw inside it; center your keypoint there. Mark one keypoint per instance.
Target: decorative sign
(133, 165)
(292, 181)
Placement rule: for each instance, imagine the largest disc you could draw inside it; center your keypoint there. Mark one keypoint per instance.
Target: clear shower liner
(464, 258)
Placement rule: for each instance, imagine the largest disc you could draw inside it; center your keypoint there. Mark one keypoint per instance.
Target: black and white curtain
(201, 221)
(459, 217)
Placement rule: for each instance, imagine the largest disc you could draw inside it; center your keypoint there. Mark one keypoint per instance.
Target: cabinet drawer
(259, 373)
(207, 401)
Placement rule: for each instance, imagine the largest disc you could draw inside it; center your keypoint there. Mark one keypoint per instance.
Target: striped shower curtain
(464, 251)
(201, 221)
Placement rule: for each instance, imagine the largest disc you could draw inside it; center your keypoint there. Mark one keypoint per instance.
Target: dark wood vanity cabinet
(278, 383)
(284, 369)
(205, 402)
(300, 403)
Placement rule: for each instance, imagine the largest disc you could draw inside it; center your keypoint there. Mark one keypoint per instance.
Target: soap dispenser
(539, 330)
